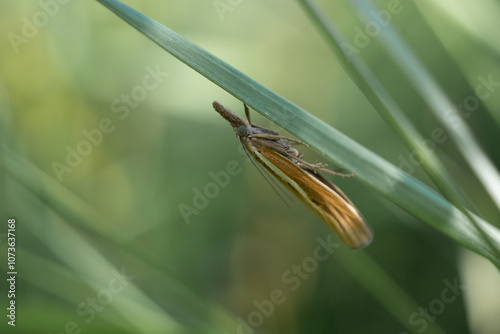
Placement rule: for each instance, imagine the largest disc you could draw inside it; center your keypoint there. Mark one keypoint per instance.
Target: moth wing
(323, 197)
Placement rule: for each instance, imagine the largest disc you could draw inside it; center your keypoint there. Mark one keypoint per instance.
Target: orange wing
(324, 198)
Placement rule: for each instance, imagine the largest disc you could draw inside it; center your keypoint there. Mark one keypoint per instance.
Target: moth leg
(320, 167)
(294, 155)
(282, 147)
(277, 137)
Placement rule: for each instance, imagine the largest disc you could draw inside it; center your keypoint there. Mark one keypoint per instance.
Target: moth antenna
(247, 113)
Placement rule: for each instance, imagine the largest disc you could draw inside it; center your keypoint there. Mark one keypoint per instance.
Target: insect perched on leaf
(276, 154)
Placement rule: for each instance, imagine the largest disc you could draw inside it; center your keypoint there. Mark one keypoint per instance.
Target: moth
(282, 160)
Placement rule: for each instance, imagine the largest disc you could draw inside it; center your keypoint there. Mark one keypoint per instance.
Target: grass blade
(438, 103)
(396, 185)
(390, 111)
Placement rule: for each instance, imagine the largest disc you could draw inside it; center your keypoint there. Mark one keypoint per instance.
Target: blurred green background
(107, 139)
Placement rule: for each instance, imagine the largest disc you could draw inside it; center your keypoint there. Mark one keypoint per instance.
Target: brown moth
(276, 154)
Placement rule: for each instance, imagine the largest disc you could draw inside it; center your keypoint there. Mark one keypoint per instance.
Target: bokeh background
(107, 141)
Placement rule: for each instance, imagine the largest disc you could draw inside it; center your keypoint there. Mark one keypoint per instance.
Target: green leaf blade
(381, 175)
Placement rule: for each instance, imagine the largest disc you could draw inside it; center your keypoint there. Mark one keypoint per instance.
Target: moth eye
(242, 131)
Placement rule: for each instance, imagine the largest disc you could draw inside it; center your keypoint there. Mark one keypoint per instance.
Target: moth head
(240, 126)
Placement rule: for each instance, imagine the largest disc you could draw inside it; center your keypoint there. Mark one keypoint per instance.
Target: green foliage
(390, 181)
